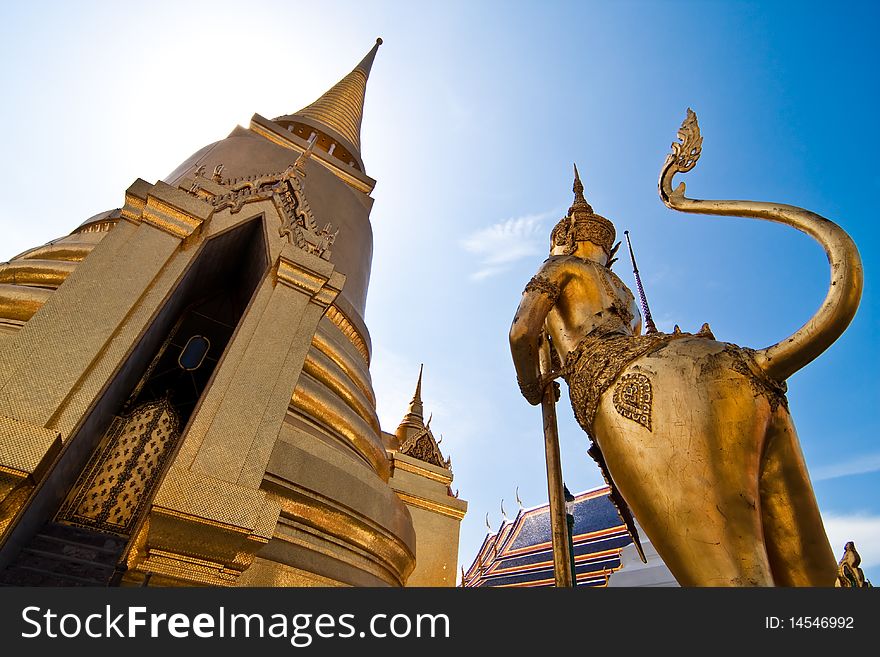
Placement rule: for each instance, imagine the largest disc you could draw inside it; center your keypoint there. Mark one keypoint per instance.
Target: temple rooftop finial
(338, 113)
(580, 203)
(367, 62)
(415, 416)
(415, 406)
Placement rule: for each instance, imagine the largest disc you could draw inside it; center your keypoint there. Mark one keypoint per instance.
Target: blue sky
(475, 112)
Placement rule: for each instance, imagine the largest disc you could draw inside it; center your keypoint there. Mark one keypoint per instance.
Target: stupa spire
(341, 108)
(415, 416)
(580, 203)
(416, 409)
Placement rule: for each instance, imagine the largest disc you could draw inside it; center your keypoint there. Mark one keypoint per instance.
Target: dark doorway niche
(174, 360)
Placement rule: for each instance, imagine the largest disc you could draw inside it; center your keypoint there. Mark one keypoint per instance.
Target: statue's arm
(526, 331)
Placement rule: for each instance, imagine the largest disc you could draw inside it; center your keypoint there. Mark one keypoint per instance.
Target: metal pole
(558, 524)
(649, 321)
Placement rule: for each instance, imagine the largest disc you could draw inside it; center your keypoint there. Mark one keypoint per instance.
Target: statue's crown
(582, 224)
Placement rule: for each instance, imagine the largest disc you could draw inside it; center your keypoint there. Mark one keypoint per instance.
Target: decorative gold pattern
(582, 224)
(633, 396)
(114, 488)
(543, 285)
(595, 364)
(688, 149)
(286, 190)
(598, 231)
(299, 225)
(422, 446)
(561, 236)
(532, 390)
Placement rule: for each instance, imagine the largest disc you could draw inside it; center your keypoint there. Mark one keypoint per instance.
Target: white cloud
(859, 465)
(861, 528)
(505, 242)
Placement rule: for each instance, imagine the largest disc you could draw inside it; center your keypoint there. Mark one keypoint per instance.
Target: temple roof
(520, 553)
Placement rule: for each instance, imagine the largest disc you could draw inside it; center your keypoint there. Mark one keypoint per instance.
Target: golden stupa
(185, 393)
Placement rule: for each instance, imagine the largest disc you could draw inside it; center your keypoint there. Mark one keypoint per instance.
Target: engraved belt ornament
(633, 397)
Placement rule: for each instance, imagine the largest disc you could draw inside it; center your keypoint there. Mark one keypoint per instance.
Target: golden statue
(849, 575)
(693, 434)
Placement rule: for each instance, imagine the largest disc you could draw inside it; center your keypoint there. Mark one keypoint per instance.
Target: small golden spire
(580, 204)
(582, 224)
(414, 420)
(415, 406)
(342, 107)
(578, 186)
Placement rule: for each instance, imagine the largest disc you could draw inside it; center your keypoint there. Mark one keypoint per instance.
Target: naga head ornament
(685, 153)
(582, 224)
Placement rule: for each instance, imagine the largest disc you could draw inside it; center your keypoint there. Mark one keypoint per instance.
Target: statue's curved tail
(786, 357)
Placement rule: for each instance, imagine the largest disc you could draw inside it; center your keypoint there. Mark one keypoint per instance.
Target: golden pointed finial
(582, 224)
(504, 517)
(341, 108)
(578, 186)
(414, 420)
(366, 64)
(519, 501)
(580, 204)
(416, 408)
(417, 396)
